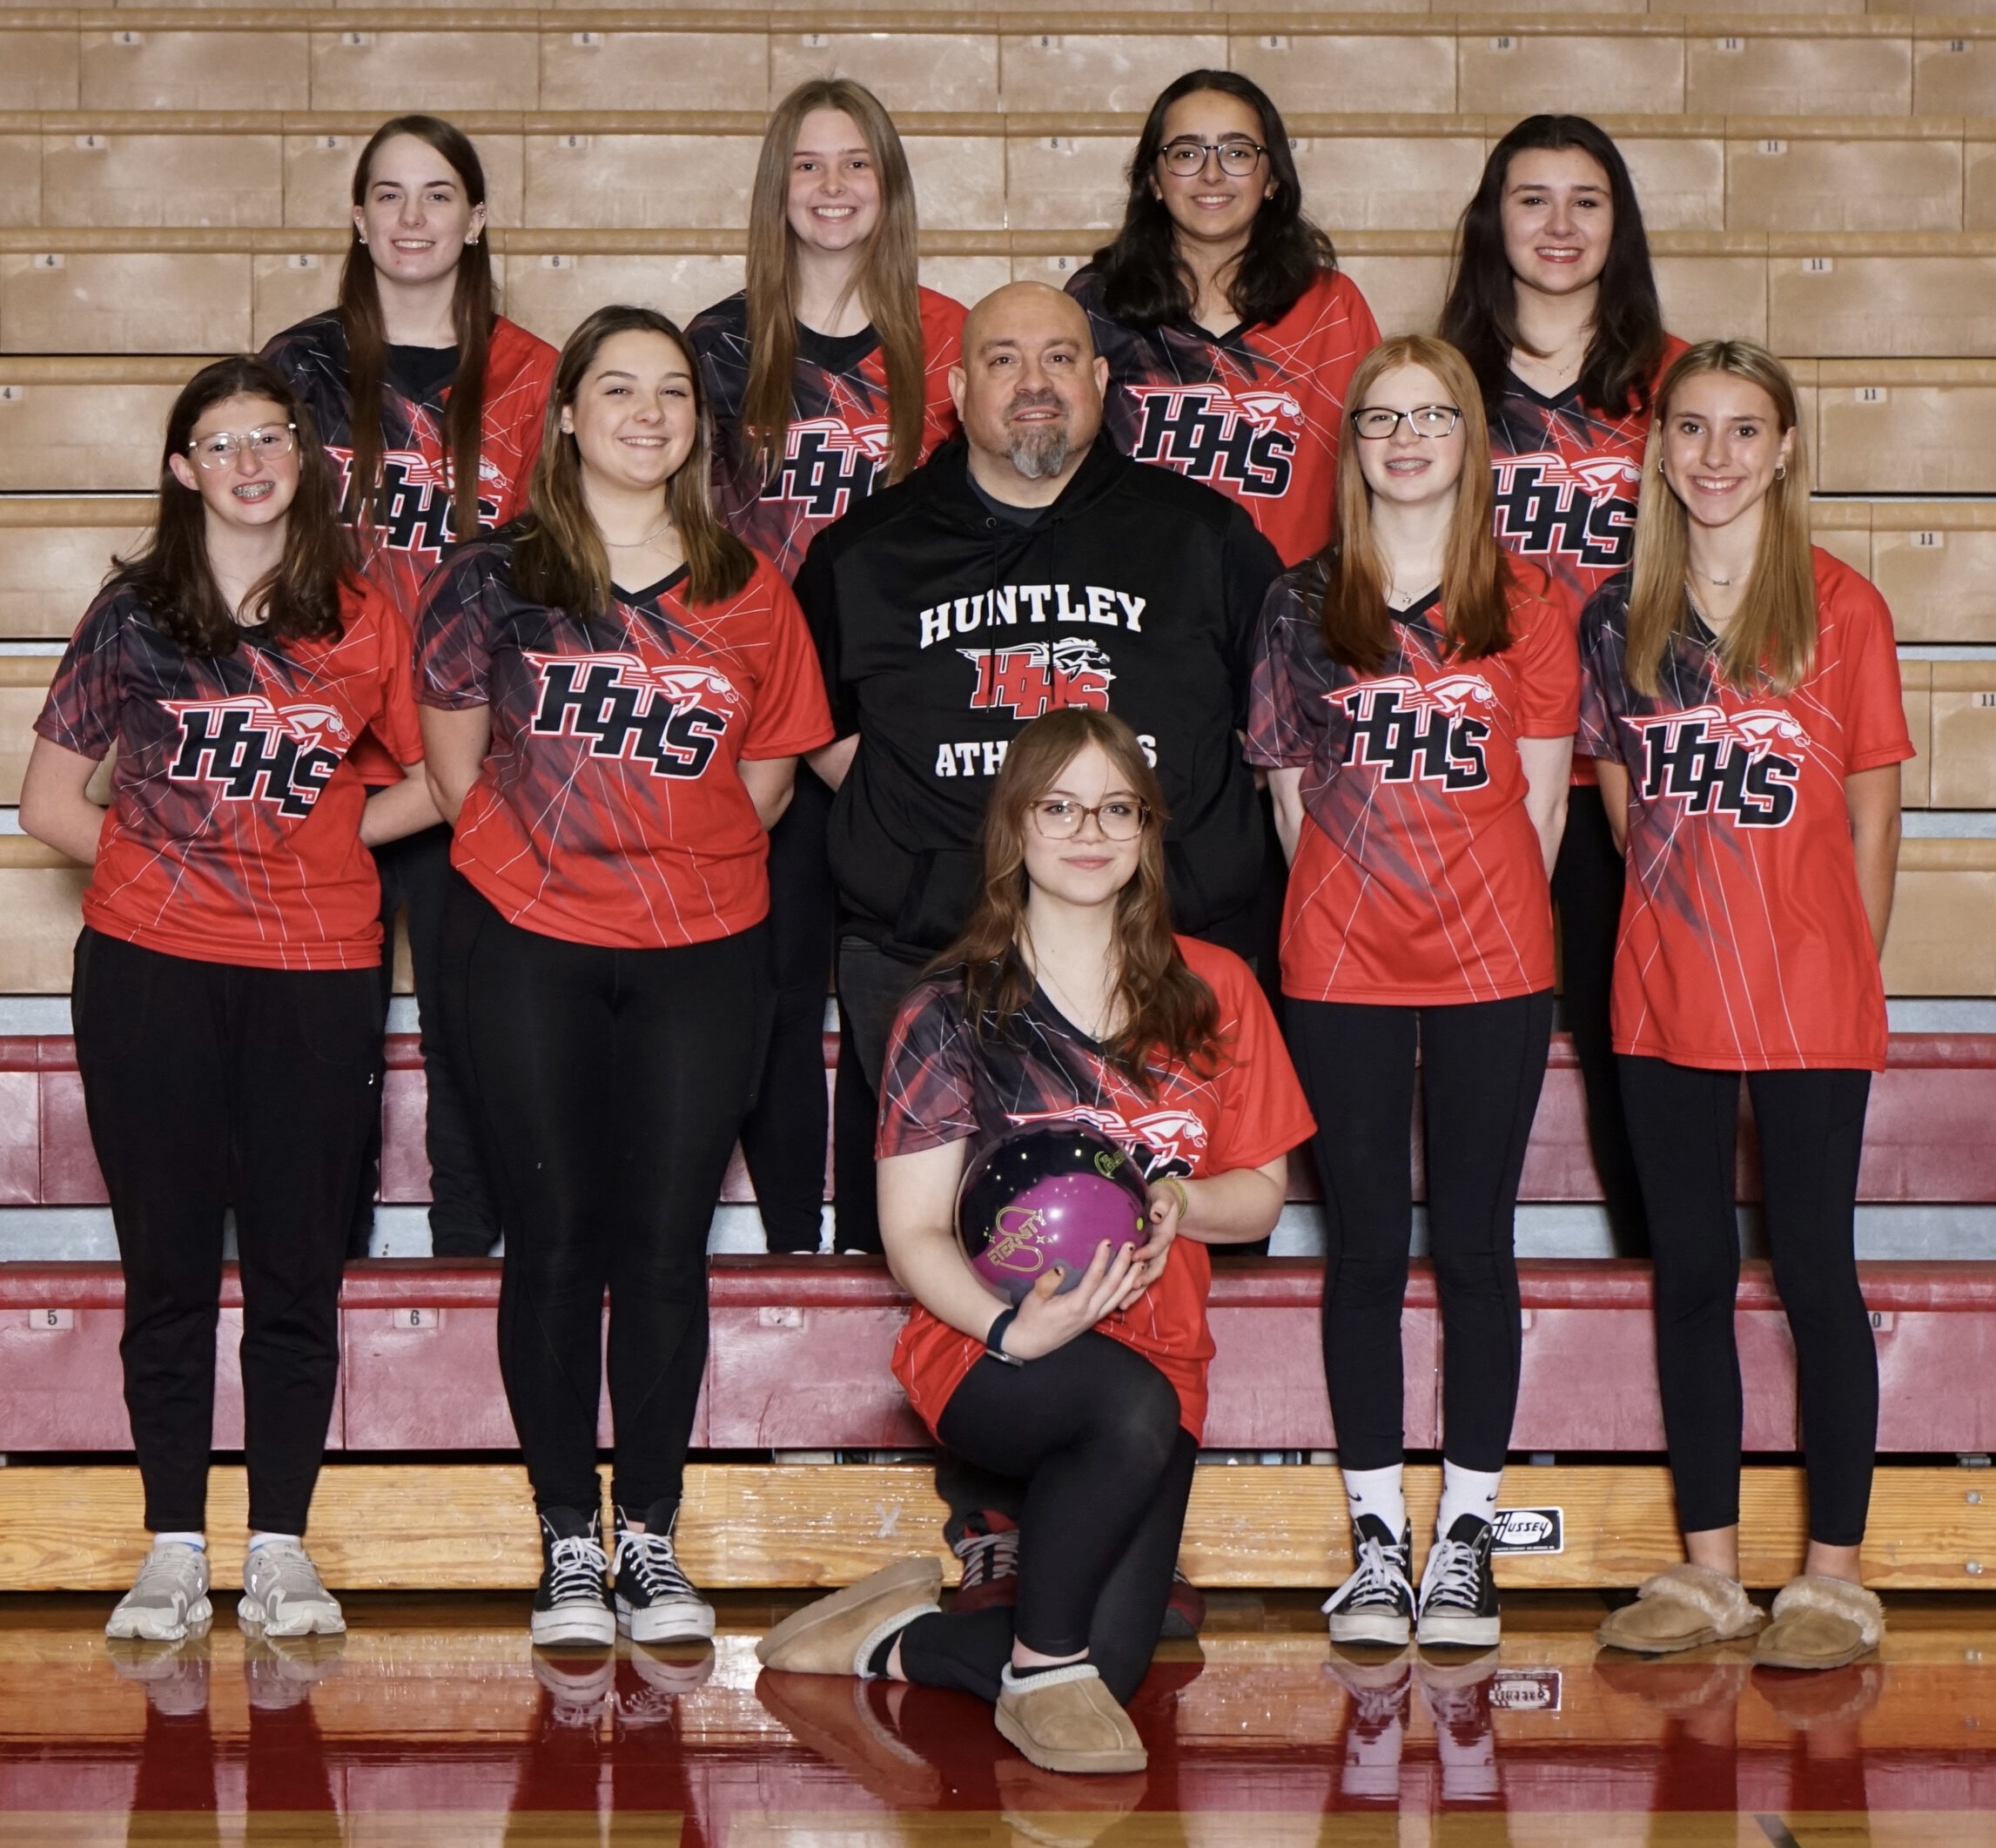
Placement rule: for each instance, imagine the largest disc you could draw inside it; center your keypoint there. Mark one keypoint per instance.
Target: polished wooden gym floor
(433, 1722)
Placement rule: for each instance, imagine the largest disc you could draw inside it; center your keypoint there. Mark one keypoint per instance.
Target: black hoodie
(944, 629)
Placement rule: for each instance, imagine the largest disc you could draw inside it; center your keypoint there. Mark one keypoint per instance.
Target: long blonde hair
(1771, 640)
(559, 558)
(1165, 1007)
(1476, 572)
(886, 279)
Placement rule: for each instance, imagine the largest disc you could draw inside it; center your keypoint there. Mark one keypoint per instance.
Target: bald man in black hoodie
(1027, 565)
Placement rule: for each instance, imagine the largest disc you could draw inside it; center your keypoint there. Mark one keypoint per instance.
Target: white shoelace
(653, 1563)
(168, 1575)
(988, 1556)
(1454, 1577)
(577, 1565)
(1377, 1580)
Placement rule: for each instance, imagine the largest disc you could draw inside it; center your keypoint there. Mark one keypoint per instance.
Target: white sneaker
(282, 1595)
(655, 1600)
(168, 1600)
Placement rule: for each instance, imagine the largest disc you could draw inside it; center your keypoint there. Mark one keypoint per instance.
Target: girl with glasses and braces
(227, 1028)
(1229, 330)
(1414, 699)
(1068, 996)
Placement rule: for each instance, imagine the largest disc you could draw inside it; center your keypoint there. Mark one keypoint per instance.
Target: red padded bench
(800, 1348)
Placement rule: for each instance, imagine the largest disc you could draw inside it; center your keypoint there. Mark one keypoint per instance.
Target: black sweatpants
(1091, 1432)
(208, 1084)
(783, 1136)
(1587, 883)
(612, 1084)
(1481, 1066)
(1811, 1126)
(415, 875)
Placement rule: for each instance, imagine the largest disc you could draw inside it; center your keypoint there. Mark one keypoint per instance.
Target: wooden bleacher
(172, 186)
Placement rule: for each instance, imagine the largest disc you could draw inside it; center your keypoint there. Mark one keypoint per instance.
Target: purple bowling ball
(1048, 1196)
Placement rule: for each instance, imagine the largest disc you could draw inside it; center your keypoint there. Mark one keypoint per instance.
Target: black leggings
(611, 1084)
(783, 1136)
(1092, 1431)
(415, 873)
(1481, 1067)
(1811, 1125)
(1587, 883)
(208, 1084)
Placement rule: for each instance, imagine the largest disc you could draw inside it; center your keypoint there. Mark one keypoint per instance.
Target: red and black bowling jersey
(610, 809)
(1420, 881)
(1258, 412)
(837, 452)
(943, 1084)
(234, 829)
(414, 532)
(1745, 945)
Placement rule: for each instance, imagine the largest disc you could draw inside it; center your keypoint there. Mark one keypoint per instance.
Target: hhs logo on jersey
(1411, 730)
(830, 466)
(413, 509)
(1583, 510)
(258, 751)
(1727, 764)
(1247, 438)
(1037, 677)
(1167, 1141)
(667, 717)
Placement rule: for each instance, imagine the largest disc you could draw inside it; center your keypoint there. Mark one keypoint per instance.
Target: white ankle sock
(198, 1542)
(264, 1540)
(1380, 1493)
(1467, 1492)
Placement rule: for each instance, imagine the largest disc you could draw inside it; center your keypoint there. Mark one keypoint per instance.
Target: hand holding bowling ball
(1047, 1198)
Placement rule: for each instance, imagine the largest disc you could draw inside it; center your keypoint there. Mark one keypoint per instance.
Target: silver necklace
(632, 545)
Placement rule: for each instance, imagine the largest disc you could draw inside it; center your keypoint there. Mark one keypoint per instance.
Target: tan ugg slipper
(1066, 1720)
(838, 1634)
(1684, 1607)
(1820, 1623)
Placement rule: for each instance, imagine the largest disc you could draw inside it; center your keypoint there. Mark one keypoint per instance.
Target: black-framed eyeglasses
(1121, 818)
(1376, 423)
(1237, 157)
(266, 443)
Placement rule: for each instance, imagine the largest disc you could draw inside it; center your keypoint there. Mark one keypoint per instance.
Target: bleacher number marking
(48, 259)
(12, 393)
(815, 41)
(1064, 265)
(1504, 42)
(1870, 394)
(92, 144)
(1274, 42)
(1986, 699)
(1732, 44)
(1058, 144)
(557, 263)
(574, 144)
(1045, 42)
(1770, 147)
(329, 144)
(1819, 266)
(406, 1319)
(300, 260)
(1957, 46)
(774, 1318)
(128, 37)
(356, 41)
(1929, 541)
(52, 1321)
(588, 41)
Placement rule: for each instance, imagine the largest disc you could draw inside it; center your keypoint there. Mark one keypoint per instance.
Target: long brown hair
(1166, 1008)
(472, 314)
(1476, 574)
(1771, 640)
(885, 278)
(559, 558)
(300, 598)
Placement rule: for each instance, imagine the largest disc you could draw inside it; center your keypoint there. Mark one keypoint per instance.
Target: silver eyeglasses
(1376, 423)
(266, 443)
(1239, 158)
(1121, 818)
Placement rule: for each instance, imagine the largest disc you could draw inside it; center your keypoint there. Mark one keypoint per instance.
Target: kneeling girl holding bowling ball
(1067, 1039)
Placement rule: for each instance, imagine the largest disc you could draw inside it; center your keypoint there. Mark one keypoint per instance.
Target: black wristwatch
(994, 1338)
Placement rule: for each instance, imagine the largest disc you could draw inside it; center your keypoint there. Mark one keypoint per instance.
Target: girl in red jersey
(1067, 996)
(616, 692)
(829, 377)
(417, 384)
(1742, 698)
(1554, 303)
(1414, 698)
(1230, 331)
(225, 1019)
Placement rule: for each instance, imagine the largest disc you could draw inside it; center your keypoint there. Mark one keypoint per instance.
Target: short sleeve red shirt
(1745, 945)
(1257, 412)
(1419, 881)
(942, 1084)
(836, 450)
(234, 829)
(610, 810)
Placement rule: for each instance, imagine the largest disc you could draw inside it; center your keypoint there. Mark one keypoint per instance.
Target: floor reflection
(433, 1721)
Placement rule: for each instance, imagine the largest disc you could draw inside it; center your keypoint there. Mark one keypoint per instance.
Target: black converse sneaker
(655, 1600)
(572, 1602)
(1375, 1604)
(1458, 1589)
